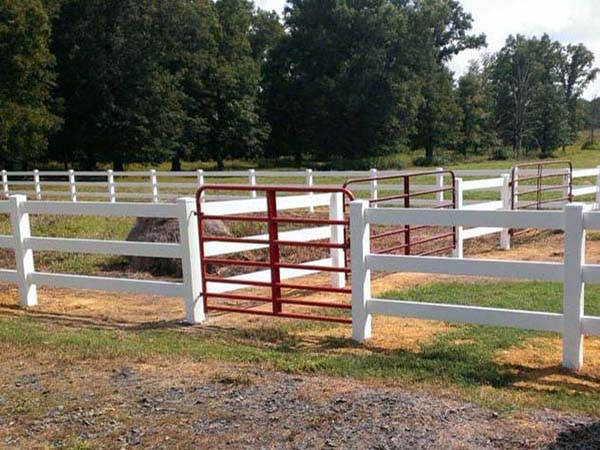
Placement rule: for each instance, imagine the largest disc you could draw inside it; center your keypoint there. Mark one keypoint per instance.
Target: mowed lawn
(502, 368)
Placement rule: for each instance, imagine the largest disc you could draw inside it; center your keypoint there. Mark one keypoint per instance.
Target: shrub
(389, 162)
(589, 145)
(436, 161)
(500, 154)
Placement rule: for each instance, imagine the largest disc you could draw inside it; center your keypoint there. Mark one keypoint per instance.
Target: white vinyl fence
(158, 186)
(502, 184)
(574, 219)
(189, 289)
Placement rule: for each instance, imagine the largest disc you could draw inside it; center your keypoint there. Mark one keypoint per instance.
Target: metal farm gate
(540, 185)
(411, 243)
(272, 270)
(267, 273)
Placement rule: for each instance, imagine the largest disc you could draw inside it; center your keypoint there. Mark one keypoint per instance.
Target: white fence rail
(574, 219)
(187, 250)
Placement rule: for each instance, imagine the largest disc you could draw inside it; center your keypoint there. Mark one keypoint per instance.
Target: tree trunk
(176, 162)
(429, 153)
(220, 163)
(118, 165)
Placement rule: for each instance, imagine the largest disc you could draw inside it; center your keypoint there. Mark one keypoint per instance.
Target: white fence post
(154, 184)
(190, 261)
(515, 188)
(308, 176)
(252, 181)
(566, 179)
(24, 257)
(200, 176)
(36, 184)
(374, 190)
(360, 247)
(439, 183)
(112, 192)
(505, 197)
(573, 286)
(72, 186)
(5, 189)
(336, 212)
(458, 230)
(597, 205)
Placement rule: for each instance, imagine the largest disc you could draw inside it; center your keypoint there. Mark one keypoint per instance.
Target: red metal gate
(545, 182)
(273, 263)
(409, 245)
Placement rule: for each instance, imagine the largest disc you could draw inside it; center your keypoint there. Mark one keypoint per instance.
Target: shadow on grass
(585, 436)
(464, 357)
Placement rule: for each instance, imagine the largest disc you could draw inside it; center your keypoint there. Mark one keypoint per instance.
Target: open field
(93, 370)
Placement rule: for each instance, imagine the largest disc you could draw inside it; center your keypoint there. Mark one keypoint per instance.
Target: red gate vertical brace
(274, 254)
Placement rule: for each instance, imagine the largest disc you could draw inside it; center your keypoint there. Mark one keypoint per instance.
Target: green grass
(526, 295)
(89, 227)
(463, 358)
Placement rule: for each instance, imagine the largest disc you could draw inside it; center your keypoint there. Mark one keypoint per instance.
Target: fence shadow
(581, 436)
(73, 320)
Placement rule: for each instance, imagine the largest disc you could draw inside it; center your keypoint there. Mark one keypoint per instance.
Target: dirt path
(66, 404)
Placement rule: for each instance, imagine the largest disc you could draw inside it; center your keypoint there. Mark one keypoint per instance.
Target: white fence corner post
(72, 186)
(439, 184)
(112, 192)
(374, 190)
(336, 212)
(200, 177)
(5, 189)
(37, 185)
(505, 197)
(24, 256)
(458, 230)
(190, 261)
(597, 206)
(252, 181)
(309, 179)
(360, 247)
(154, 185)
(573, 286)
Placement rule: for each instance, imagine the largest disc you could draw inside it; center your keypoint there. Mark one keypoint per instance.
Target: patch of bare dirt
(53, 403)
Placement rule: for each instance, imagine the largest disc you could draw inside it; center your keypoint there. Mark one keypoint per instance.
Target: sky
(567, 21)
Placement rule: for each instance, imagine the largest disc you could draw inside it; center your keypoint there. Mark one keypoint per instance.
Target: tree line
(113, 82)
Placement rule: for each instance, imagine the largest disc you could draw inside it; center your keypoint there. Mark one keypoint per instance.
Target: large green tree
(234, 125)
(514, 73)
(576, 71)
(26, 79)
(193, 55)
(440, 117)
(342, 83)
(440, 29)
(473, 97)
(121, 102)
(537, 83)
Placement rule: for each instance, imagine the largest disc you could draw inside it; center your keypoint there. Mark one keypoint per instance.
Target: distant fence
(159, 186)
(574, 219)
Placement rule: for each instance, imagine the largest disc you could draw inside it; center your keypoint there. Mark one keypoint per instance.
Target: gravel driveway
(229, 407)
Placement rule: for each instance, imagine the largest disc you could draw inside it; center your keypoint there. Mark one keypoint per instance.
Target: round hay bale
(150, 229)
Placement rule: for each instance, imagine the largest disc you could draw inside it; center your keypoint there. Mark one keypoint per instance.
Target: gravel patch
(148, 406)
